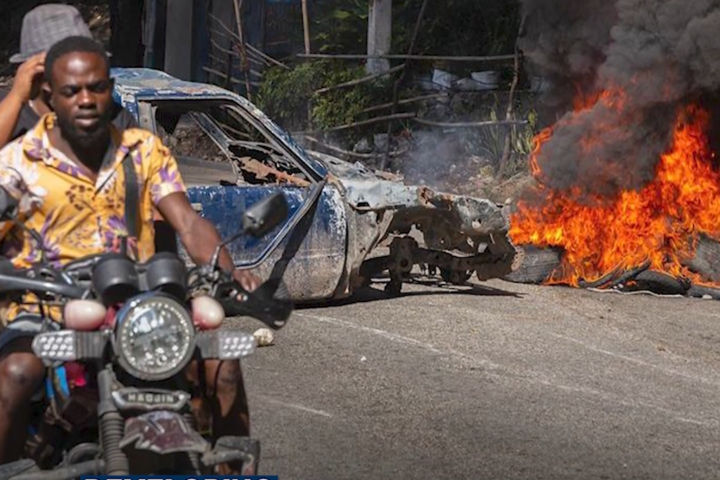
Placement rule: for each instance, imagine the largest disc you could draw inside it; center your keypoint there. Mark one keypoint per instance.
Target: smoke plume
(642, 58)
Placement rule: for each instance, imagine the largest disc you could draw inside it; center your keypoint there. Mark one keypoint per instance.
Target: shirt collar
(36, 145)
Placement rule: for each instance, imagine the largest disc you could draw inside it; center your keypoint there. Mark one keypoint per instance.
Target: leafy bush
(340, 26)
(449, 27)
(489, 141)
(285, 96)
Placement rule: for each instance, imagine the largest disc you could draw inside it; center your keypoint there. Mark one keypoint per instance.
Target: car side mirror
(258, 220)
(265, 215)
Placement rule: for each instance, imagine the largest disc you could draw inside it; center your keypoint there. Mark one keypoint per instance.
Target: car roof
(147, 84)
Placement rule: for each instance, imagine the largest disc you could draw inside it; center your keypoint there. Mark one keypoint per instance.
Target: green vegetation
(450, 27)
(285, 95)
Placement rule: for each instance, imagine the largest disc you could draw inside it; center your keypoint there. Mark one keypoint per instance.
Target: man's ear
(46, 92)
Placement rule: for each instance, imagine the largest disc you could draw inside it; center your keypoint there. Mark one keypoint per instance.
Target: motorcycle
(116, 400)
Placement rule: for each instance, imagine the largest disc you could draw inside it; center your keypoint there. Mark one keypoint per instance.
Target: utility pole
(306, 25)
(379, 35)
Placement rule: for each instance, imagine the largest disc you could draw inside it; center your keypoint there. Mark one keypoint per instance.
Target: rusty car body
(347, 224)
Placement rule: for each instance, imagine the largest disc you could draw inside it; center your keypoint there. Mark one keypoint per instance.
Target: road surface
(494, 381)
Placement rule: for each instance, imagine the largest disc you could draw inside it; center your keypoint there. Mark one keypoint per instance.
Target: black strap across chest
(131, 197)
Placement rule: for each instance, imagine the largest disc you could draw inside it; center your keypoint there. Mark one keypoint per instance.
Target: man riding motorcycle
(69, 177)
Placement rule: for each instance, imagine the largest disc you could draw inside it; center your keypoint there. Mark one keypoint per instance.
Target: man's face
(81, 96)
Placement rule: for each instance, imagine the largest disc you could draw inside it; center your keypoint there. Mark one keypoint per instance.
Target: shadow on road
(373, 294)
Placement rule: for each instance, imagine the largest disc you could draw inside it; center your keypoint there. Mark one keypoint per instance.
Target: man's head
(79, 88)
(46, 25)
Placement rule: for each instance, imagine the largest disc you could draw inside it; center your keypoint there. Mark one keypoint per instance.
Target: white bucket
(443, 79)
(486, 80)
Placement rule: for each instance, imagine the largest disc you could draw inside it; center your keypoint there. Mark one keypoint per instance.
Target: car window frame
(147, 110)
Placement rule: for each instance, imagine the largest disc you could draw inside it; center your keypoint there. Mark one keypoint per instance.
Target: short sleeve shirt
(75, 215)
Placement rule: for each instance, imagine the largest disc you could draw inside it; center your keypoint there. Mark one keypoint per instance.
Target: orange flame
(660, 223)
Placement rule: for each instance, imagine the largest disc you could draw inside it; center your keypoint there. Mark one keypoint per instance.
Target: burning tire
(537, 265)
(699, 291)
(707, 264)
(707, 259)
(660, 283)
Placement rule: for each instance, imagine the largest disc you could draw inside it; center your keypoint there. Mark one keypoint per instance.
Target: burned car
(347, 224)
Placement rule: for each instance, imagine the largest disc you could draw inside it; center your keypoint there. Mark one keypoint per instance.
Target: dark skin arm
(19, 95)
(200, 238)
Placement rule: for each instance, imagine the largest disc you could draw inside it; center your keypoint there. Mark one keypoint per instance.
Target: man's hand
(19, 95)
(248, 280)
(23, 83)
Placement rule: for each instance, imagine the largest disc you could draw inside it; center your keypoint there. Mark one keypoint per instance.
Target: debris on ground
(264, 337)
(187, 140)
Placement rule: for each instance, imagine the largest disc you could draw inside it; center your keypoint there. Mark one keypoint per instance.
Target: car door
(230, 159)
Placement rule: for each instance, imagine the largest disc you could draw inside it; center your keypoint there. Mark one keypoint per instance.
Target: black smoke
(652, 56)
(564, 41)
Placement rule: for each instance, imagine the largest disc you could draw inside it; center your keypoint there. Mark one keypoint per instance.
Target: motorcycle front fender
(163, 432)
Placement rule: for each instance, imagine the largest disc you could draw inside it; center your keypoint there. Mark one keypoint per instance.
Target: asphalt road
(499, 381)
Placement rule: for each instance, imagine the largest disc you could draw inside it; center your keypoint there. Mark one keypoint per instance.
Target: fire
(659, 224)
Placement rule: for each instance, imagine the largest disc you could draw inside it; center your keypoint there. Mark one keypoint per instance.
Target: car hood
(366, 190)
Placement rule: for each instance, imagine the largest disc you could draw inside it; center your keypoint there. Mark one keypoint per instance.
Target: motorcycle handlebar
(270, 302)
(10, 283)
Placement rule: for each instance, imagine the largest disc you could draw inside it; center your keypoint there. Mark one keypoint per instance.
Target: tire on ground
(707, 259)
(700, 291)
(660, 283)
(537, 265)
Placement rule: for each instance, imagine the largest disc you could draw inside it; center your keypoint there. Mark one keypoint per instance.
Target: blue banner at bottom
(179, 477)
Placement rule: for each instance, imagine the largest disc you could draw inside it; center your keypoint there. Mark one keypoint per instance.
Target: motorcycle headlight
(155, 338)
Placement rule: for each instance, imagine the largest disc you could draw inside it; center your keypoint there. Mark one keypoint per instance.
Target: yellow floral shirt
(75, 215)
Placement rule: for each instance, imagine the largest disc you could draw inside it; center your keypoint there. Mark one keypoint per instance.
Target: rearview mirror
(265, 215)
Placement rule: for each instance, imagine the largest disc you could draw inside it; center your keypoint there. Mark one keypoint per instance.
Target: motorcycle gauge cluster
(116, 278)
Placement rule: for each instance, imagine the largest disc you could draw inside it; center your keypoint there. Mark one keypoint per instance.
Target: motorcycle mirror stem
(258, 220)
